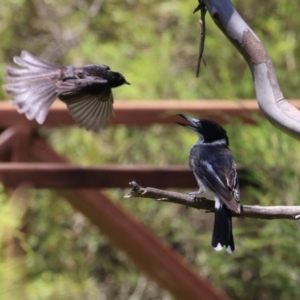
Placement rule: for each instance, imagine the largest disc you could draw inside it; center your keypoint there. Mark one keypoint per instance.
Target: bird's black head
(116, 79)
(208, 131)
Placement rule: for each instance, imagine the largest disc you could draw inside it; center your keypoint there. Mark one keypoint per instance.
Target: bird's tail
(222, 232)
(33, 87)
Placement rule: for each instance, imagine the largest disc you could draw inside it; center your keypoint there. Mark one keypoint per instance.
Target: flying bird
(215, 171)
(86, 90)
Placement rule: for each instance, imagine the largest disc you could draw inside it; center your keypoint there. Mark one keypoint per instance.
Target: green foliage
(12, 271)
(155, 44)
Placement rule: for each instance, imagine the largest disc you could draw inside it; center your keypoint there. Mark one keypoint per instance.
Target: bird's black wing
(218, 172)
(89, 101)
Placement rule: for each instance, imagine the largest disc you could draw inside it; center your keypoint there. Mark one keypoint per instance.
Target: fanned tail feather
(27, 60)
(33, 87)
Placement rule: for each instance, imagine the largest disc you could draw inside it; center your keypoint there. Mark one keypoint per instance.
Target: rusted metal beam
(7, 138)
(150, 254)
(21, 142)
(57, 175)
(164, 112)
(154, 257)
(142, 113)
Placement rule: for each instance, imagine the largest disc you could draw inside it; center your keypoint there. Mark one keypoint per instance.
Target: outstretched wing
(89, 101)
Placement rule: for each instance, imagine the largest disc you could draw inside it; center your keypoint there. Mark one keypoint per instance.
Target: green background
(155, 44)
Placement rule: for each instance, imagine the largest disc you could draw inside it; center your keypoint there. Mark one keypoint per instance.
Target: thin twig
(247, 211)
(203, 10)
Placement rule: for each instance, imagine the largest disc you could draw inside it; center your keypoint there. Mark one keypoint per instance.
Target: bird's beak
(127, 82)
(194, 123)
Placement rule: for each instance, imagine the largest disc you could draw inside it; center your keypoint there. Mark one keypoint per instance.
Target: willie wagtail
(86, 90)
(214, 168)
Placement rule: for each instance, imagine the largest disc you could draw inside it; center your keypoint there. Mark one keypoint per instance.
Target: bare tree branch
(247, 211)
(203, 10)
(269, 96)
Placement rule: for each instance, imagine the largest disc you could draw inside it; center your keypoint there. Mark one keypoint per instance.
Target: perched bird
(214, 168)
(86, 90)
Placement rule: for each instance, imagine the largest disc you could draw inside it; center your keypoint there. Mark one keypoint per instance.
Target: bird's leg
(194, 194)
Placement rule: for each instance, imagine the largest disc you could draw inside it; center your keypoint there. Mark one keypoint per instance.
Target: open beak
(194, 123)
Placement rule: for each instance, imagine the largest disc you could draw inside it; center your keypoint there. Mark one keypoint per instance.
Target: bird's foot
(194, 194)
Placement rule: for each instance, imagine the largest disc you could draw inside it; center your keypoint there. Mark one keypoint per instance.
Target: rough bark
(247, 211)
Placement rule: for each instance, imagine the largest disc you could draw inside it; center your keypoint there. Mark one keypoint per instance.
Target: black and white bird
(86, 90)
(215, 170)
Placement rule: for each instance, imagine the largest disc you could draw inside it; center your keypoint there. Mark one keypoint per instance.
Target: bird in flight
(86, 90)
